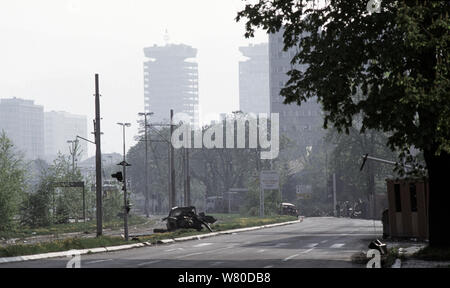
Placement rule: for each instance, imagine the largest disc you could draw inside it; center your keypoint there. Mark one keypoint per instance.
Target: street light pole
(146, 166)
(172, 198)
(124, 165)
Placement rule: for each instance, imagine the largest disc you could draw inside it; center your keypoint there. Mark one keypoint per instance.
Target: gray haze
(51, 50)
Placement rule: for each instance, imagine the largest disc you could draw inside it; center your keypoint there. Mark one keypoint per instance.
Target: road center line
(202, 244)
(149, 262)
(98, 261)
(337, 245)
(290, 257)
(188, 255)
(312, 245)
(216, 263)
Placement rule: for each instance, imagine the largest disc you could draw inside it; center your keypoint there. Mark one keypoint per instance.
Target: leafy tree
(398, 57)
(356, 184)
(112, 205)
(36, 209)
(48, 205)
(12, 184)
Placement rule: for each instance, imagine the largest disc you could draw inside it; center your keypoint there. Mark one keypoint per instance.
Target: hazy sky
(51, 49)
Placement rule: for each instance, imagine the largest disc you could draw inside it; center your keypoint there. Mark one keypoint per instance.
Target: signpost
(269, 180)
(303, 191)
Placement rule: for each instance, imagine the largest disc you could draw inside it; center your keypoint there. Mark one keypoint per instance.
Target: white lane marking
(324, 241)
(337, 245)
(188, 255)
(260, 251)
(98, 261)
(216, 263)
(202, 244)
(281, 244)
(268, 266)
(150, 262)
(290, 257)
(173, 249)
(312, 245)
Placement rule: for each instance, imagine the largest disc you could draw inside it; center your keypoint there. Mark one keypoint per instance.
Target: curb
(397, 264)
(137, 245)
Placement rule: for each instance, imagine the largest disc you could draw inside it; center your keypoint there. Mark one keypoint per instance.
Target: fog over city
(208, 134)
(51, 50)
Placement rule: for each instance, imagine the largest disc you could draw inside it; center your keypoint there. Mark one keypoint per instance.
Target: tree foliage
(389, 67)
(12, 184)
(398, 58)
(51, 204)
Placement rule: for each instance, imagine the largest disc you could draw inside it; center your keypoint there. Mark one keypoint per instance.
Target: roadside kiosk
(408, 207)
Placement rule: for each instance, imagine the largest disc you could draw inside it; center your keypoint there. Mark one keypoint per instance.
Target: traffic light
(118, 176)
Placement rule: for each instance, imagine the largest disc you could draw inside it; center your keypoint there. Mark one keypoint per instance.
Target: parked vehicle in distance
(288, 209)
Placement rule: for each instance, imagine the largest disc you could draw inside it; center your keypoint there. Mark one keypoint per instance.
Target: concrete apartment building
(23, 122)
(171, 82)
(61, 127)
(301, 124)
(254, 79)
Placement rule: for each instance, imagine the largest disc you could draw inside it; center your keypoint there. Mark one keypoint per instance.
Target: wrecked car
(187, 218)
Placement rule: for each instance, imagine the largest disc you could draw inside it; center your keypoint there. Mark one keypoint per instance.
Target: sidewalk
(408, 248)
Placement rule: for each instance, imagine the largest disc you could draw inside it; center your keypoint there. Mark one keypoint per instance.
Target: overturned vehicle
(186, 218)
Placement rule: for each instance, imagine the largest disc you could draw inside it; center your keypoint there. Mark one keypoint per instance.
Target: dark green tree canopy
(390, 67)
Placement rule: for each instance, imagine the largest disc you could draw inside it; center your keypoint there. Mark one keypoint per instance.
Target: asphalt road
(315, 242)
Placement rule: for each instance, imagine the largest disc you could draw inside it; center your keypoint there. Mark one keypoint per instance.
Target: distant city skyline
(40, 134)
(51, 50)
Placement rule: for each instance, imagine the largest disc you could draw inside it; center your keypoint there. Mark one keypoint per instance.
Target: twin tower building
(171, 82)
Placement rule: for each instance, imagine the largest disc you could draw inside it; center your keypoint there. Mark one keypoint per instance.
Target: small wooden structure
(408, 207)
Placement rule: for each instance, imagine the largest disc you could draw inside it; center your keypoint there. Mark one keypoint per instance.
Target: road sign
(304, 196)
(269, 179)
(303, 191)
(69, 184)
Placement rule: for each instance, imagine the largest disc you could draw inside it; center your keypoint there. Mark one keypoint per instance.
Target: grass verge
(433, 254)
(57, 229)
(223, 223)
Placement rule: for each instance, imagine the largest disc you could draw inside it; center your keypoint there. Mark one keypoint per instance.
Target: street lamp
(146, 165)
(124, 164)
(72, 150)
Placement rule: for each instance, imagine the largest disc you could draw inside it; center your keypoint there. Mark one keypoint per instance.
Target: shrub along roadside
(86, 243)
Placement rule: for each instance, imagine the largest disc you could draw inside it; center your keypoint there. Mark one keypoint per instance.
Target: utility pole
(124, 164)
(334, 195)
(146, 165)
(98, 161)
(184, 177)
(170, 157)
(188, 179)
(172, 196)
